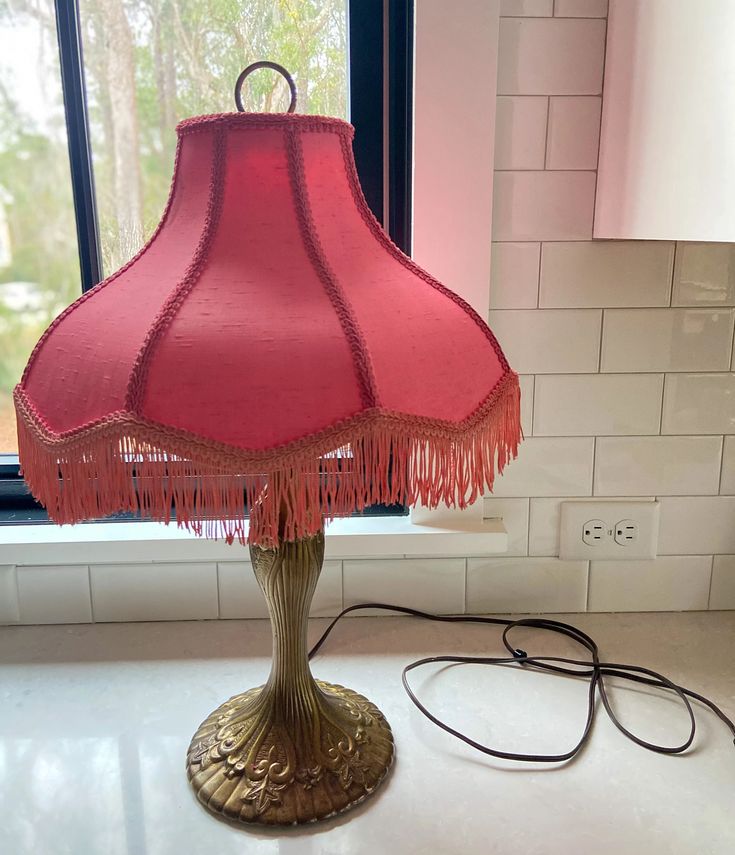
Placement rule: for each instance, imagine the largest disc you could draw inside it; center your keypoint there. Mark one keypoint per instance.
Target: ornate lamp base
(294, 750)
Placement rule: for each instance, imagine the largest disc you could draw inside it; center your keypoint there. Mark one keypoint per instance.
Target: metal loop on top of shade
(264, 63)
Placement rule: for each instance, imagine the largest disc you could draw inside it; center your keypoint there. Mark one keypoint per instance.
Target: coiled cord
(592, 669)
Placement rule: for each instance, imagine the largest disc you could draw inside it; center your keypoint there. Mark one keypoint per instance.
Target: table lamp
(268, 361)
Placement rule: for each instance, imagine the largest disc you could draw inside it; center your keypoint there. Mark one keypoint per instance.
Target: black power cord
(593, 669)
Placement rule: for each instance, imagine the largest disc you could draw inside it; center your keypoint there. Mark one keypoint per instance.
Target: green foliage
(184, 58)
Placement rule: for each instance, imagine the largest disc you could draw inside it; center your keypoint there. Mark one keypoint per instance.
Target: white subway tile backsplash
(514, 513)
(573, 132)
(699, 403)
(514, 275)
(48, 594)
(580, 8)
(9, 611)
(550, 57)
(605, 273)
(520, 131)
(722, 594)
(532, 206)
(658, 465)
(550, 341)
(587, 405)
(240, 595)
(534, 8)
(727, 483)
(704, 274)
(667, 339)
(165, 591)
(526, 383)
(544, 521)
(672, 583)
(513, 585)
(549, 466)
(697, 525)
(428, 584)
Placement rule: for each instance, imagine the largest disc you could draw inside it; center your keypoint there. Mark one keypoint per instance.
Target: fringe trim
(123, 464)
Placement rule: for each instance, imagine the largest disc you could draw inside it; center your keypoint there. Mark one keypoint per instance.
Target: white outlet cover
(574, 515)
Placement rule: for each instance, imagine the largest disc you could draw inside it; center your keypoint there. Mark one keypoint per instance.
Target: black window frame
(380, 66)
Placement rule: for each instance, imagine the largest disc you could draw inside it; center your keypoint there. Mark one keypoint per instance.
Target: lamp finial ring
(264, 63)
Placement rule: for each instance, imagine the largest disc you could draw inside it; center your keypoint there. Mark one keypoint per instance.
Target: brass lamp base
(295, 750)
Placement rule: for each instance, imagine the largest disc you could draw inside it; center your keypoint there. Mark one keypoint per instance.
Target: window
(91, 93)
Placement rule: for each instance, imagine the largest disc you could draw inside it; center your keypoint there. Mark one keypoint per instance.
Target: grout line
(551, 17)
(722, 465)
(711, 579)
(673, 269)
(526, 169)
(466, 569)
(538, 280)
(594, 458)
(661, 408)
(599, 349)
(664, 386)
(546, 134)
(587, 593)
(91, 600)
(549, 95)
(599, 134)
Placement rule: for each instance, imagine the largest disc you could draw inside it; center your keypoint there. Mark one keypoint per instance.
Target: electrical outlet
(593, 532)
(608, 530)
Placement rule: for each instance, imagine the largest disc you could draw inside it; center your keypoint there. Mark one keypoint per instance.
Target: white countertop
(95, 721)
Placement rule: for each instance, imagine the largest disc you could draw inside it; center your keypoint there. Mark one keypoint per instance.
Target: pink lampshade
(268, 349)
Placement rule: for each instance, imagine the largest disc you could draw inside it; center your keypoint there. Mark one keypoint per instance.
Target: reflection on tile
(165, 591)
(722, 595)
(520, 131)
(606, 273)
(534, 8)
(526, 382)
(50, 594)
(514, 275)
(549, 341)
(699, 403)
(658, 465)
(589, 405)
(574, 132)
(240, 595)
(553, 466)
(704, 274)
(550, 57)
(9, 611)
(727, 484)
(513, 585)
(429, 584)
(667, 339)
(580, 8)
(696, 525)
(531, 206)
(670, 584)
(514, 513)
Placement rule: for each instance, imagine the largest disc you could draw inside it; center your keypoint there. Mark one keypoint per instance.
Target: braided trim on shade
(383, 238)
(126, 464)
(174, 301)
(350, 327)
(263, 121)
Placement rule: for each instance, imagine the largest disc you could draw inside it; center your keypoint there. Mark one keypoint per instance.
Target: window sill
(353, 537)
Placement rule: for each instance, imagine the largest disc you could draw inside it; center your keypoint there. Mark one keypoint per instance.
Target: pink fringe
(382, 459)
